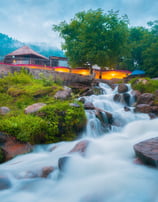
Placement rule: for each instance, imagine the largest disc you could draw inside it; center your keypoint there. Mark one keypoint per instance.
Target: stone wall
(65, 78)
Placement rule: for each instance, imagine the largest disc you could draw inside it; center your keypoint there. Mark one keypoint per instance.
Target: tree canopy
(94, 37)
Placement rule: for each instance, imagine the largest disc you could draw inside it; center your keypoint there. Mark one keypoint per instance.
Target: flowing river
(105, 172)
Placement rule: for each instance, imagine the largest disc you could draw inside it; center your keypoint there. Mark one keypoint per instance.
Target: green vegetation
(57, 121)
(94, 37)
(145, 85)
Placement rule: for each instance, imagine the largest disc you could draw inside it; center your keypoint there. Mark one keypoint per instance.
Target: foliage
(58, 121)
(150, 86)
(63, 119)
(18, 127)
(94, 37)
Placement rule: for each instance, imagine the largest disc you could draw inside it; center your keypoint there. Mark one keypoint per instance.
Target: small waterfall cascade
(120, 110)
(104, 171)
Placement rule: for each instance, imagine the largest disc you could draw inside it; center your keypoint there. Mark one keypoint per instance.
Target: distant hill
(8, 45)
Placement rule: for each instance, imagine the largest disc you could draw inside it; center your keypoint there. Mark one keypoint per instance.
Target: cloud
(32, 20)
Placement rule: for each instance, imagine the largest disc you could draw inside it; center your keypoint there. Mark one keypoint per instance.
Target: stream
(105, 172)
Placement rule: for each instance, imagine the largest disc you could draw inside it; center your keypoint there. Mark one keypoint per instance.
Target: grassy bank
(57, 121)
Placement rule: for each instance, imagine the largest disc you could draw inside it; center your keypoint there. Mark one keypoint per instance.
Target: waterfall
(104, 172)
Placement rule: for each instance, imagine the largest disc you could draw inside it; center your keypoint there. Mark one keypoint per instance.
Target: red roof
(25, 50)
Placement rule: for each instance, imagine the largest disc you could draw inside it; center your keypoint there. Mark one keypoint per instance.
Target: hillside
(8, 44)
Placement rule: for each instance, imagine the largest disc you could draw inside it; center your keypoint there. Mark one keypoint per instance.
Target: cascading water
(105, 173)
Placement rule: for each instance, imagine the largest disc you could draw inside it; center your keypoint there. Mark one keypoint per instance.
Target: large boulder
(143, 108)
(63, 94)
(147, 151)
(146, 98)
(4, 110)
(12, 147)
(34, 108)
(122, 88)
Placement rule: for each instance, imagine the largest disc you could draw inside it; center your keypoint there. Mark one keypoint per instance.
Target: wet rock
(127, 109)
(34, 108)
(154, 109)
(152, 116)
(143, 108)
(136, 94)
(80, 147)
(12, 148)
(126, 98)
(88, 92)
(103, 116)
(4, 110)
(62, 162)
(46, 171)
(122, 88)
(4, 183)
(89, 105)
(63, 94)
(117, 97)
(147, 151)
(146, 98)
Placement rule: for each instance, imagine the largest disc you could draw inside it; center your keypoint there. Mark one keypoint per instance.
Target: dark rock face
(147, 151)
(4, 110)
(143, 108)
(146, 98)
(4, 183)
(122, 88)
(34, 108)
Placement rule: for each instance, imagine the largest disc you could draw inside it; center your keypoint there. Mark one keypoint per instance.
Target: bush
(66, 120)
(150, 86)
(26, 128)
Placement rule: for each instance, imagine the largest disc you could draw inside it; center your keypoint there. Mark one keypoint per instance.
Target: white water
(106, 173)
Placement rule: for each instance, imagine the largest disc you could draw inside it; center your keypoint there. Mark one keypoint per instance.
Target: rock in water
(147, 151)
(122, 88)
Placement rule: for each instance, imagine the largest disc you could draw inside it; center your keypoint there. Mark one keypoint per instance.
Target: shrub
(66, 120)
(26, 128)
(150, 86)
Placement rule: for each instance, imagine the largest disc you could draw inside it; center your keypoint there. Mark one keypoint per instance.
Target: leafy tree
(94, 37)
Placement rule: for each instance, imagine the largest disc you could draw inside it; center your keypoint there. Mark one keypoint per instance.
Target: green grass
(57, 121)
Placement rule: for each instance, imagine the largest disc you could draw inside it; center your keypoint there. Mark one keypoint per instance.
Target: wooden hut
(25, 55)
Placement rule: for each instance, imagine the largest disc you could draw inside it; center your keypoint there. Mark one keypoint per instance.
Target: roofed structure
(25, 55)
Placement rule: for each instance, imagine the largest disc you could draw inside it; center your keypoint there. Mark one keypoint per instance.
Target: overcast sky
(32, 20)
